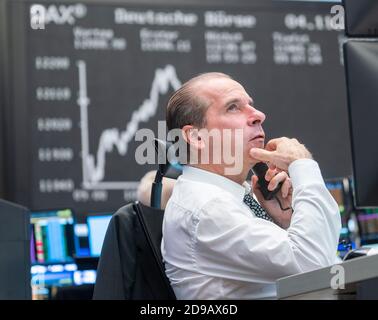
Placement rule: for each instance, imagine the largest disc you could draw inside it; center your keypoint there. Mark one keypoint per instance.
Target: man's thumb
(256, 189)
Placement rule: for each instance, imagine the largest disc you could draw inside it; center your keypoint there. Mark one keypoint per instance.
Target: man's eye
(232, 107)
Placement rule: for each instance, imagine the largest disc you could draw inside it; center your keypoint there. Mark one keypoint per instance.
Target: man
(214, 246)
(145, 186)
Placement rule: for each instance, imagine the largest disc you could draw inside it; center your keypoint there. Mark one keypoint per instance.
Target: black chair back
(151, 221)
(130, 265)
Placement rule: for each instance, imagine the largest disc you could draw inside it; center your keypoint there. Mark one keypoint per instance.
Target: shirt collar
(204, 176)
(247, 187)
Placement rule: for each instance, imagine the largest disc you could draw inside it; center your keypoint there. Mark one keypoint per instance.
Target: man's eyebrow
(238, 100)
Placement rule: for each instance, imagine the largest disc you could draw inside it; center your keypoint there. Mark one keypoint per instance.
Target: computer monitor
(47, 279)
(52, 236)
(361, 64)
(97, 226)
(81, 234)
(368, 226)
(340, 190)
(361, 18)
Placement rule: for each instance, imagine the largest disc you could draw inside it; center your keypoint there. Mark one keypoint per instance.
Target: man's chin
(256, 143)
(253, 161)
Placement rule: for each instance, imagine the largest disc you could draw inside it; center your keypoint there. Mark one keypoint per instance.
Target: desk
(361, 282)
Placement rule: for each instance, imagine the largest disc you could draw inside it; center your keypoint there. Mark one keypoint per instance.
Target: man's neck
(220, 170)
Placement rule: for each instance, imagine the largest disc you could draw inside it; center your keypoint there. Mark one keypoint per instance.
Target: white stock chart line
(93, 166)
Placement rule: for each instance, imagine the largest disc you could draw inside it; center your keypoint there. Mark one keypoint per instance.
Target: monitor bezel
(350, 33)
(353, 182)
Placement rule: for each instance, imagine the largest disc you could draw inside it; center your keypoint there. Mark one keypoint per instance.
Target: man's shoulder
(194, 195)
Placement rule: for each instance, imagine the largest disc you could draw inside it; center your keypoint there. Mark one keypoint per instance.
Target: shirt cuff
(304, 172)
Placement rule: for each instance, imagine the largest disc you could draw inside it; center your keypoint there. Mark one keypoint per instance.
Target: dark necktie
(256, 208)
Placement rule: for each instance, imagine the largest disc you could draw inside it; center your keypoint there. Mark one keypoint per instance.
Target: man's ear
(192, 136)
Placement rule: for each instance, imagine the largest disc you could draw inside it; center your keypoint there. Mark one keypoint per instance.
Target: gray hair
(185, 107)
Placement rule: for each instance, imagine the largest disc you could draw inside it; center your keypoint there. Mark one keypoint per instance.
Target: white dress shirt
(215, 248)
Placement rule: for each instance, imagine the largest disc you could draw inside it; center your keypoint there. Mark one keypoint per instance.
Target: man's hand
(284, 196)
(281, 152)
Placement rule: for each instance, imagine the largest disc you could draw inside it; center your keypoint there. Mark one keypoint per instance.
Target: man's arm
(311, 196)
(232, 245)
(293, 157)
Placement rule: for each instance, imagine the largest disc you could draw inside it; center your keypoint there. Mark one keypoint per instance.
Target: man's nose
(255, 116)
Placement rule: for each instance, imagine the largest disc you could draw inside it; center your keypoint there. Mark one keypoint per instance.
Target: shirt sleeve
(231, 244)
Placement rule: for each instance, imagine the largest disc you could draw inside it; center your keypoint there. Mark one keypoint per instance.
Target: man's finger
(282, 176)
(270, 173)
(261, 154)
(271, 145)
(286, 188)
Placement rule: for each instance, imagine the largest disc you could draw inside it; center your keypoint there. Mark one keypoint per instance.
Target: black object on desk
(356, 253)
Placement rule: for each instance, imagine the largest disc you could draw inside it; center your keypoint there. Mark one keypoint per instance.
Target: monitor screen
(52, 236)
(361, 17)
(361, 62)
(368, 226)
(52, 275)
(97, 226)
(339, 189)
(81, 234)
(46, 279)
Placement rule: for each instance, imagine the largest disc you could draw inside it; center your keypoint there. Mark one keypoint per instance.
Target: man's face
(230, 107)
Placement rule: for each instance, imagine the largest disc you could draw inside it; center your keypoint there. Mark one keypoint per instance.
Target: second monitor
(97, 226)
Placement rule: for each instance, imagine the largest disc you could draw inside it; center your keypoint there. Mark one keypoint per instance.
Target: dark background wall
(79, 85)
